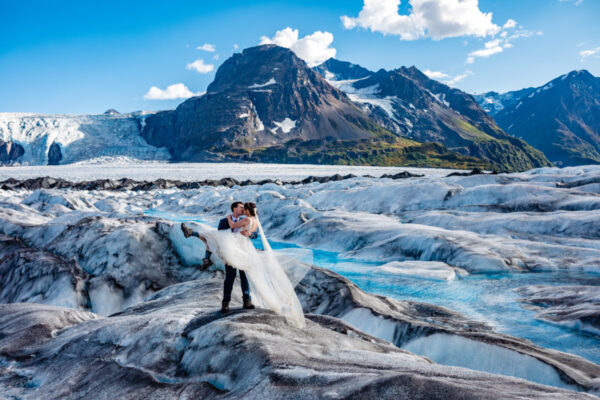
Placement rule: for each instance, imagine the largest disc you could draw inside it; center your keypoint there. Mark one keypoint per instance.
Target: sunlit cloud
(314, 48)
(503, 40)
(175, 91)
(435, 74)
(207, 47)
(200, 67)
(436, 19)
(589, 53)
(445, 78)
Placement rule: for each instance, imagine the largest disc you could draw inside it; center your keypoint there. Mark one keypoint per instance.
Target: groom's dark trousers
(231, 272)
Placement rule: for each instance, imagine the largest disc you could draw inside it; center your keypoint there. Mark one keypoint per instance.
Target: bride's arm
(250, 232)
(239, 224)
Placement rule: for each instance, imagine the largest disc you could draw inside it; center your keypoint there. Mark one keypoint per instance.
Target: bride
(269, 284)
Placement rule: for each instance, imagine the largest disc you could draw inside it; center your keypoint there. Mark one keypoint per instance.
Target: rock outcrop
(263, 96)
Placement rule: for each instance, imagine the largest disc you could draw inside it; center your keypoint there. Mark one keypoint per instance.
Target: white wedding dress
(270, 287)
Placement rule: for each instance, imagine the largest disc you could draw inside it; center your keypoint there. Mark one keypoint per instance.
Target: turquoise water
(483, 297)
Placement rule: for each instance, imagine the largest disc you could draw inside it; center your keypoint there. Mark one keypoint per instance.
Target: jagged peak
(341, 70)
(577, 74)
(256, 66)
(265, 48)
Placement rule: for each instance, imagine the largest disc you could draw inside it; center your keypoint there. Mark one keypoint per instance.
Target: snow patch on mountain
(271, 81)
(367, 95)
(286, 125)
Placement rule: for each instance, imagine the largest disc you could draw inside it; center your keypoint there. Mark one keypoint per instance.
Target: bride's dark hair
(251, 207)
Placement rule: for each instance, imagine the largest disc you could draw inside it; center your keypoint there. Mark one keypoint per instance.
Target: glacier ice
(573, 306)
(79, 137)
(423, 269)
(462, 352)
(120, 255)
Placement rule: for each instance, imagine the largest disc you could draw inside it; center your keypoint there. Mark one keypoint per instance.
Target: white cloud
(235, 46)
(435, 74)
(502, 41)
(176, 91)
(200, 67)
(437, 19)
(490, 48)
(576, 2)
(216, 57)
(457, 78)
(314, 49)
(511, 23)
(445, 78)
(588, 53)
(207, 47)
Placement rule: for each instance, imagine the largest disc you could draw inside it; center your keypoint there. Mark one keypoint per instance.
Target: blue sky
(86, 57)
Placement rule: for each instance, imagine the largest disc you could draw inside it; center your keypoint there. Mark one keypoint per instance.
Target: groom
(237, 211)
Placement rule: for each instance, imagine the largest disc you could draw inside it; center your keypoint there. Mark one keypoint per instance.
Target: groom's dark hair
(235, 204)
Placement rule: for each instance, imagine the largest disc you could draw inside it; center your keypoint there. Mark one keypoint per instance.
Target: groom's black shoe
(224, 307)
(248, 304)
(187, 232)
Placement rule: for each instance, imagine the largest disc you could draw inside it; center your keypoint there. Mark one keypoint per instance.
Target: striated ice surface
(152, 170)
(423, 269)
(573, 306)
(80, 137)
(460, 242)
(456, 350)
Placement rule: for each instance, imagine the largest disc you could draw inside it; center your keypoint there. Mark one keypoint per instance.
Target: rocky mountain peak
(261, 97)
(410, 104)
(561, 118)
(342, 70)
(259, 67)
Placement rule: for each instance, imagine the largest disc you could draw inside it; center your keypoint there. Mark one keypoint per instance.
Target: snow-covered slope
(407, 102)
(64, 139)
(494, 102)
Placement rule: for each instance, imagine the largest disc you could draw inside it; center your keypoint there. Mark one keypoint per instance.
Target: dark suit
(231, 272)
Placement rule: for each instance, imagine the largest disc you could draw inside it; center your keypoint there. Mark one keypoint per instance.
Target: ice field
(508, 254)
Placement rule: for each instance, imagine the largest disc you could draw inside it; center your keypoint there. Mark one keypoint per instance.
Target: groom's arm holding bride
(240, 224)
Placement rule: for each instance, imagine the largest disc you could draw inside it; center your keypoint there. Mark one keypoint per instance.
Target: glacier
(107, 276)
(79, 137)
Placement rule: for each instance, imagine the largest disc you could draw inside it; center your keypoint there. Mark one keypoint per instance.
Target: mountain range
(266, 105)
(560, 118)
(408, 103)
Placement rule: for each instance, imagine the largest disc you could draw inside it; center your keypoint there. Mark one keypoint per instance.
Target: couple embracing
(260, 272)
